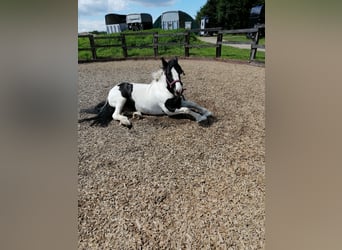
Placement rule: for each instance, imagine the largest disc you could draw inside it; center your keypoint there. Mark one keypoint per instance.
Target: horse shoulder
(173, 103)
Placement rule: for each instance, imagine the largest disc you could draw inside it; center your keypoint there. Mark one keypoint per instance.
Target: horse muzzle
(177, 88)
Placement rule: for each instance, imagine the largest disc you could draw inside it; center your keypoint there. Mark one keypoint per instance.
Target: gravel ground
(169, 183)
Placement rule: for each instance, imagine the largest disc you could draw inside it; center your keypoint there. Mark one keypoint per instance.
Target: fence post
(155, 44)
(219, 44)
(186, 44)
(92, 46)
(253, 45)
(123, 45)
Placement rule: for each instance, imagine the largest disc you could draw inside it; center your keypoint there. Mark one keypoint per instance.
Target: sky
(91, 13)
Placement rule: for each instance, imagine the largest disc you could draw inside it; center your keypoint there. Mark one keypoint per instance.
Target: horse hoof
(127, 124)
(137, 116)
(204, 123)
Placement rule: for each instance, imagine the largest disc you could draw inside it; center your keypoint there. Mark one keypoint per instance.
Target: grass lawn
(177, 48)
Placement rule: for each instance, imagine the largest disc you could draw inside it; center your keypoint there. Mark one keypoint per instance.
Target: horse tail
(94, 110)
(103, 113)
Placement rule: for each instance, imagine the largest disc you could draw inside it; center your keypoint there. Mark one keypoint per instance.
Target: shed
(171, 20)
(139, 21)
(115, 23)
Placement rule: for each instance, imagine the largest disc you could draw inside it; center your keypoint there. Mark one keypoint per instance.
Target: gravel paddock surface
(169, 183)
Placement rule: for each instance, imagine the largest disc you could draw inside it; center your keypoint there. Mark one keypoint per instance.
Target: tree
(228, 14)
(209, 9)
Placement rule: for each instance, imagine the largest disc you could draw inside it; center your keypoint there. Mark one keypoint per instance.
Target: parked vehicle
(256, 18)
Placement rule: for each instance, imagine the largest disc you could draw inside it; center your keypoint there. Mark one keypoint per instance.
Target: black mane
(173, 63)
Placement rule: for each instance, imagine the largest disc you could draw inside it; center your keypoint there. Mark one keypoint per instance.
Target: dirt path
(212, 39)
(170, 183)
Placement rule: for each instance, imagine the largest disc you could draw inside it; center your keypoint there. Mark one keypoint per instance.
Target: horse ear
(164, 63)
(176, 59)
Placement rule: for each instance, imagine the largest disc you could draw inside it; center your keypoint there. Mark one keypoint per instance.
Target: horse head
(172, 71)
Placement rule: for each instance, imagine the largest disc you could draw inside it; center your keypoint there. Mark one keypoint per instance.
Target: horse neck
(160, 82)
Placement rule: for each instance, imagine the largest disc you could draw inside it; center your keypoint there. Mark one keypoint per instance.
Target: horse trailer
(141, 21)
(115, 23)
(205, 24)
(256, 18)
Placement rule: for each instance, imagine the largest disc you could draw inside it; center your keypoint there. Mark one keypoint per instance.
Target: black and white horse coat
(163, 96)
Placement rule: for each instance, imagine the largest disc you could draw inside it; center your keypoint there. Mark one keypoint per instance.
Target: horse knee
(184, 110)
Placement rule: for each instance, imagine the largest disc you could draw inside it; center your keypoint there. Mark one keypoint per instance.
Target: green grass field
(177, 49)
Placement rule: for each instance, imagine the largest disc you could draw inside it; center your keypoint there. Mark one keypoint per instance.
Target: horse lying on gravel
(164, 95)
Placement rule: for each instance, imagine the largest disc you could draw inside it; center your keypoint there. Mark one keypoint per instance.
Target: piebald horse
(163, 96)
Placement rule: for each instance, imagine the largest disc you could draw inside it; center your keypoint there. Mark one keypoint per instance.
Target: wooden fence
(121, 42)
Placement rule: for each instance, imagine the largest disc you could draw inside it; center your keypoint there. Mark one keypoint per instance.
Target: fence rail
(156, 44)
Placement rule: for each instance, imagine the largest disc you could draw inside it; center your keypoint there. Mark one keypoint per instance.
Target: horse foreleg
(193, 105)
(184, 110)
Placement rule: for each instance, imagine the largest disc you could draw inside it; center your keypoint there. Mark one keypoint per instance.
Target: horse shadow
(162, 119)
(205, 123)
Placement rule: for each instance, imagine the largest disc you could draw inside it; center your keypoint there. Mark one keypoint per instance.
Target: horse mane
(157, 75)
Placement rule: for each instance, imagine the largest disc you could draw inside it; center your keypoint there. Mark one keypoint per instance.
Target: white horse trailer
(116, 28)
(204, 25)
(141, 21)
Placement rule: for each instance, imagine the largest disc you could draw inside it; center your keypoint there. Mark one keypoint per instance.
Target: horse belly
(145, 102)
(148, 107)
